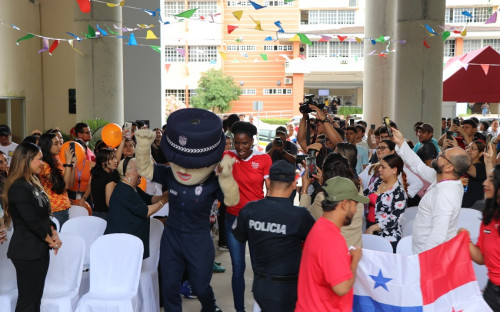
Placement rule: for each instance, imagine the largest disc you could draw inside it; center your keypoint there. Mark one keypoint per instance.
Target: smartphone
(342, 124)
(72, 147)
(372, 126)
(456, 121)
(351, 122)
(311, 166)
(300, 158)
(387, 123)
(449, 135)
(127, 128)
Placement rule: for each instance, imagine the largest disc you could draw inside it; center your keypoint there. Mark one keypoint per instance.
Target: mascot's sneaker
(186, 290)
(217, 268)
(217, 309)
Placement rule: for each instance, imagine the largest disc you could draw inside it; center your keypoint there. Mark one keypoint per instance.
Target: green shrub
(349, 110)
(275, 121)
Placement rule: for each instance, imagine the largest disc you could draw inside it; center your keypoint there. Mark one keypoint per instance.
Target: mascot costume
(193, 144)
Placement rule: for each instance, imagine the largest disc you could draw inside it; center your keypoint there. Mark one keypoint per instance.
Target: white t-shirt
(8, 151)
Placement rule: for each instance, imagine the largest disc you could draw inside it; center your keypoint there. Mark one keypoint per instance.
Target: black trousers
(275, 296)
(492, 296)
(30, 282)
(222, 225)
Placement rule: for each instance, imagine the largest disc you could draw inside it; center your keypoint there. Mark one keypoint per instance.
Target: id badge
(78, 196)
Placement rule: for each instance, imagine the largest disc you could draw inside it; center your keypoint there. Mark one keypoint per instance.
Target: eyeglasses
(442, 155)
(381, 148)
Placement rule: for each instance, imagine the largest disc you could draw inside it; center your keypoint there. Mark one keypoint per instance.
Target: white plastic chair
(115, 261)
(407, 228)
(471, 220)
(149, 287)
(404, 246)
(375, 242)
(64, 275)
(77, 211)
(8, 280)
(89, 228)
(162, 212)
(256, 307)
(56, 222)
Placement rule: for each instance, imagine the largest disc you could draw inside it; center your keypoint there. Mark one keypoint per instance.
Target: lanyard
(79, 173)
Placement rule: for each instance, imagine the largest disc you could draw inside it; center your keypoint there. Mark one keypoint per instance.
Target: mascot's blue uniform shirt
(189, 206)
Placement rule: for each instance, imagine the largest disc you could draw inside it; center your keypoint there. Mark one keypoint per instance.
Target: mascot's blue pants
(194, 252)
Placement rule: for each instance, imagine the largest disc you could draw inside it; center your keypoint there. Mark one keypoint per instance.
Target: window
(277, 91)
(480, 15)
(337, 17)
(353, 3)
(278, 47)
(357, 49)
(276, 3)
(449, 48)
(249, 92)
(319, 48)
(12, 113)
(339, 49)
(202, 53)
(243, 3)
(335, 49)
(172, 55)
(471, 45)
(173, 7)
(204, 8)
(180, 94)
(494, 43)
(241, 48)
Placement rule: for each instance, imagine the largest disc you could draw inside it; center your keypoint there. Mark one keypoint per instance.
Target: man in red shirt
(328, 269)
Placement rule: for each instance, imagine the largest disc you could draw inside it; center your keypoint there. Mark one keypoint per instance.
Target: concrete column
(378, 80)
(419, 70)
(99, 72)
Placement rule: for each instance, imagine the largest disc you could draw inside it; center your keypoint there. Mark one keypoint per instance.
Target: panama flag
(438, 280)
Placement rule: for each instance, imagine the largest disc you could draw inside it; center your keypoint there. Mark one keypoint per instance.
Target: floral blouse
(389, 207)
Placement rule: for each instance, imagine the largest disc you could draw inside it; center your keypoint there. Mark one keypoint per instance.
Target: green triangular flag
(110, 31)
(286, 1)
(28, 36)
(380, 39)
(445, 35)
(91, 33)
(239, 40)
(156, 48)
(304, 39)
(186, 14)
(264, 56)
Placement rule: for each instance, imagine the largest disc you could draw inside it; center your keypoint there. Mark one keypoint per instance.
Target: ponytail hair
(405, 182)
(394, 161)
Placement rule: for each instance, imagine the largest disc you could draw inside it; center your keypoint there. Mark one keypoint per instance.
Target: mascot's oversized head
(193, 143)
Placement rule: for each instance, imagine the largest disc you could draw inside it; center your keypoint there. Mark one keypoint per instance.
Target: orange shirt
(58, 202)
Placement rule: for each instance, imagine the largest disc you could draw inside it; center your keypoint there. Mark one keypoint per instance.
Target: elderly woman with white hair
(130, 207)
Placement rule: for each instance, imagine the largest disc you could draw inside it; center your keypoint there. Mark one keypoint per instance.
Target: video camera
(309, 100)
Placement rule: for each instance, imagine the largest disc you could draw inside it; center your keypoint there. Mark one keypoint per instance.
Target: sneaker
(218, 268)
(223, 248)
(218, 263)
(217, 309)
(186, 290)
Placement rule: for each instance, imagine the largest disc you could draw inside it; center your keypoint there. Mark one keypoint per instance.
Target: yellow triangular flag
(151, 35)
(146, 26)
(295, 38)
(112, 5)
(70, 42)
(359, 40)
(238, 14)
(258, 27)
(464, 32)
(223, 54)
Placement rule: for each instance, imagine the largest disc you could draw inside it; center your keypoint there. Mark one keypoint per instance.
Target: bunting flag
(222, 54)
(286, 1)
(231, 28)
(258, 27)
(465, 66)
(359, 40)
(430, 30)
(240, 39)
(341, 38)
(144, 26)
(467, 13)
(426, 44)
(131, 40)
(278, 24)
(382, 39)
(238, 14)
(256, 5)
(186, 14)
(445, 35)
(285, 57)
(269, 38)
(84, 5)
(372, 52)
(373, 41)
(71, 44)
(156, 48)
(492, 19)
(295, 38)
(53, 46)
(486, 68)
(167, 67)
(101, 31)
(112, 5)
(264, 56)
(150, 35)
(45, 42)
(244, 54)
(439, 279)
(110, 31)
(304, 39)
(28, 36)
(463, 33)
(181, 51)
(91, 33)
(324, 38)
(152, 13)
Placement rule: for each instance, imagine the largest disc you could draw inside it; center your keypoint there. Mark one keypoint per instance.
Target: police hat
(282, 171)
(339, 188)
(5, 130)
(193, 138)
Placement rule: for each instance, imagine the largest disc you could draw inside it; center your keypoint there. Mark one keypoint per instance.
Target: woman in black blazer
(27, 206)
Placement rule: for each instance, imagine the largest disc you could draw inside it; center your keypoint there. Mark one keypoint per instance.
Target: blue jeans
(237, 252)
(61, 216)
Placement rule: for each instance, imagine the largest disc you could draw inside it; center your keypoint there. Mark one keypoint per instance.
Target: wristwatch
(68, 165)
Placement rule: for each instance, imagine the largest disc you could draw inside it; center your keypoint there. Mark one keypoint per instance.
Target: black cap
(5, 130)
(282, 171)
(281, 129)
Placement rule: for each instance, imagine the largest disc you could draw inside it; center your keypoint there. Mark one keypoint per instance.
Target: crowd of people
(348, 178)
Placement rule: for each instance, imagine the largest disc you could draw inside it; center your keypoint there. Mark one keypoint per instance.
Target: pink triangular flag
(465, 66)
(324, 38)
(181, 51)
(167, 67)
(492, 19)
(486, 68)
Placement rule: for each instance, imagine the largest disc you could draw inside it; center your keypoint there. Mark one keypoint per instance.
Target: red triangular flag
(231, 28)
(341, 38)
(53, 46)
(84, 5)
(486, 68)
(167, 67)
(426, 44)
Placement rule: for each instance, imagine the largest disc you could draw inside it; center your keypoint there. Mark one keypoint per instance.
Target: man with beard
(328, 269)
(438, 210)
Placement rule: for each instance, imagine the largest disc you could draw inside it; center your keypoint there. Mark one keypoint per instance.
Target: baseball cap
(282, 171)
(339, 188)
(281, 129)
(426, 127)
(4, 130)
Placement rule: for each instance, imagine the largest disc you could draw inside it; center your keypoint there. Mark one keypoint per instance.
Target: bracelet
(161, 203)
(68, 165)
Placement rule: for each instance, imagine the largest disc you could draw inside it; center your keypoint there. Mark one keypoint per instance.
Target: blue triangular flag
(268, 38)
(467, 13)
(278, 24)
(132, 40)
(256, 5)
(102, 31)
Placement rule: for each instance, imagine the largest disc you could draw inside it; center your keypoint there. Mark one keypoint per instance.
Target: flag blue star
(380, 280)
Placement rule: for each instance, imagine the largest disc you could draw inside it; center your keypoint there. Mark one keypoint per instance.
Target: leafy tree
(215, 90)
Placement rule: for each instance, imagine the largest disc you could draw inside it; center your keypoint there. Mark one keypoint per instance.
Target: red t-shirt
(249, 174)
(326, 262)
(489, 243)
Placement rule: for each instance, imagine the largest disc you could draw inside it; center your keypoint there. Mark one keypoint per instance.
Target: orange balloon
(112, 134)
(143, 184)
(79, 152)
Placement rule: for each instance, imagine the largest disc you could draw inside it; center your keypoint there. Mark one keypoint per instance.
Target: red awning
(473, 77)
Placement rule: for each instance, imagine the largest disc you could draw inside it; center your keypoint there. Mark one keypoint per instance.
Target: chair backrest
(375, 242)
(155, 233)
(89, 228)
(58, 226)
(8, 280)
(65, 268)
(77, 211)
(404, 246)
(407, 228)
(471, 220)
(115, 264)
(408, 215)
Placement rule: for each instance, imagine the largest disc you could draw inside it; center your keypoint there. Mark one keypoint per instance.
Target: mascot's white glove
(227, 183)
(143, 160)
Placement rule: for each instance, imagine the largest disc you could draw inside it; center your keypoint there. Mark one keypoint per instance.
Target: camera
(309, 100)
(278, 141)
